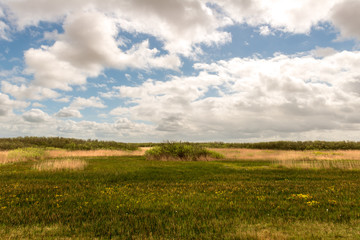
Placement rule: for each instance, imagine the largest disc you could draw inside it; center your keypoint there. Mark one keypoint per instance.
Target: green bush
(181, 151)
(24, 154)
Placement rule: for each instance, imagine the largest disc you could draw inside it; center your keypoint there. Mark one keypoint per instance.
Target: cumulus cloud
(86, 48)
(231, 99)
(7, 105)
(77, 104)
(28, 92)
(345, 17)
(296, 16)
(35, 116)
(68, 113)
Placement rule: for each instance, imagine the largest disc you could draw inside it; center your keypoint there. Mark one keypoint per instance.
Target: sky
(182, 70)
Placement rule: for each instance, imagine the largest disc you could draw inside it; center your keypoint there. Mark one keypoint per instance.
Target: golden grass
(296, 230)
(61, 164)
(3, 157)
(340, 159)
(258, 154)
(95, 153)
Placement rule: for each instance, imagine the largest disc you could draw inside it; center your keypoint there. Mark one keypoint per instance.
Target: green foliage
(180, 151)
(24, 154)
(62, 143)
(132, 198)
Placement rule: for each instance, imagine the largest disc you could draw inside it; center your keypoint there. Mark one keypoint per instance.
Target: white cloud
(78, 104)
(290, 95)
(68, 113)
(295, 16)
(265, 31)
(7, 105)
(35, 116)
(92, 102)
(28, 92)
(87, 46)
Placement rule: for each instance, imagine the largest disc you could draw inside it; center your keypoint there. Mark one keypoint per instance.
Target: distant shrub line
(62, 143)
(289, 145)
(78, 144)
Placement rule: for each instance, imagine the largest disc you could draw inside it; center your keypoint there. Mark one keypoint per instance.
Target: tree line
(80, 144)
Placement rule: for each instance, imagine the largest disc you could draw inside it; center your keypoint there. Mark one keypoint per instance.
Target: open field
(129, 197)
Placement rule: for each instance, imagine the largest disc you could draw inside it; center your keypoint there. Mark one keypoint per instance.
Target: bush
(24, 154)
(181, 151)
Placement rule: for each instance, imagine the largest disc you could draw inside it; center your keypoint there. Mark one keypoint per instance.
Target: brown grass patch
(259, 154)
(3, 157)
(62, 164)
(95, 153)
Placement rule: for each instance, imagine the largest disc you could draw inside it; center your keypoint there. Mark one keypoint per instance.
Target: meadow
(248, 194)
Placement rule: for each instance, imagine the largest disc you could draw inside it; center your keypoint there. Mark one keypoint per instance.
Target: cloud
(86, 48)
(4, 29)
(180, 24)
(35, 116)
(7, 105)
(68, 113)
(28, 92)
(296, 16)
(77, 104)
(232, 99)
(323, 52)
(345, 17)
(81, 103)
(265, 31)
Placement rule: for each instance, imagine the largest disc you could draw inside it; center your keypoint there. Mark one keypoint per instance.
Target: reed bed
(62, 164)
(258, 154)
(3, 157)
(95, 153)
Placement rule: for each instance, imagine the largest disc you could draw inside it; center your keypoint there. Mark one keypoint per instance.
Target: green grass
(134, 198)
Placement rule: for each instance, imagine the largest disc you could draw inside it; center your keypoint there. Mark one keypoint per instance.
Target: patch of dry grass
(296, 230)
(95, 153)
(259, 154)
(3, 157)
(61, 164)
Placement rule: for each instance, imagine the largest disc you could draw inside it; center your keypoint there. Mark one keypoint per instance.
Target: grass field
(129, 197)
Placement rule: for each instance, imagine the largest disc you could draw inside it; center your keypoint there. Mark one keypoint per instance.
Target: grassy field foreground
(129, 197)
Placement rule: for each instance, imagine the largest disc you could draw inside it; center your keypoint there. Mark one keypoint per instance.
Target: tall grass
(319, 164)
(62, 164)
(23, 154)
(180, 151)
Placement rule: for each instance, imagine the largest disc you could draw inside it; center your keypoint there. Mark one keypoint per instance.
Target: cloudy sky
(190, 70)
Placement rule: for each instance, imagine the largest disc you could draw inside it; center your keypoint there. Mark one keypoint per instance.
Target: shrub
(24, 154)
(180, 151)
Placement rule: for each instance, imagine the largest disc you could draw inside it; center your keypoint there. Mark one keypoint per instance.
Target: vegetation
(134, 198)
(289, 145)
(78, 144)
(181, 151)
(25, 154)
(62, 164)
(62, 143)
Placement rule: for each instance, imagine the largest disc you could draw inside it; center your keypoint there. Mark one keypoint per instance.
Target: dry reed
(62, 164)
(95, 153)
(259, 154)
(3, 157)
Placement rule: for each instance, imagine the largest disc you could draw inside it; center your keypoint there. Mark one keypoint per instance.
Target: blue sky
(190, 70)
